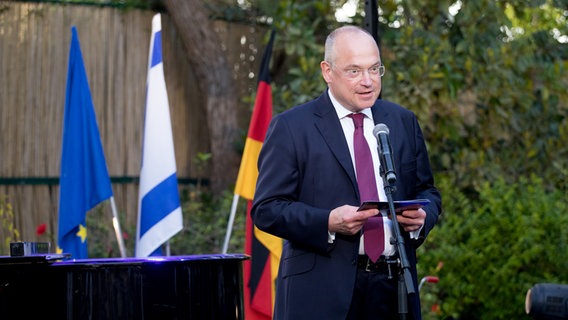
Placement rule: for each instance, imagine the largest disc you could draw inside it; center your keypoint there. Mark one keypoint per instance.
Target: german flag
(264, 249)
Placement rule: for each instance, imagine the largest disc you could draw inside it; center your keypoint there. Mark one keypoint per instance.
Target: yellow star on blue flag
(82, 233)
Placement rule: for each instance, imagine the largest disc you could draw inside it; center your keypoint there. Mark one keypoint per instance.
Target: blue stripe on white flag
(159, 208)
(158, 203)
(157, 49)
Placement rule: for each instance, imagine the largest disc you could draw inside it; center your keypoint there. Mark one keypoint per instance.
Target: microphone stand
(405, 284)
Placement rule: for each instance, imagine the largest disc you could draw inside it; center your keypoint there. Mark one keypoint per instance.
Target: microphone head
(381, 127)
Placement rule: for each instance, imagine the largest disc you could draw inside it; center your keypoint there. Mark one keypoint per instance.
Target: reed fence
(34, 49)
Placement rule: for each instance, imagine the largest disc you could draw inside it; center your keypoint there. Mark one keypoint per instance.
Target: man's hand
(411, 220)
(347, 220)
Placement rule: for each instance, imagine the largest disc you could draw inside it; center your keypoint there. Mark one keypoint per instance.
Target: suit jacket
(305, 170)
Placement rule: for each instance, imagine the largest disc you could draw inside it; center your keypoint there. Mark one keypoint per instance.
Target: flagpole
(117, 231)
(231, 221)
(168, 249)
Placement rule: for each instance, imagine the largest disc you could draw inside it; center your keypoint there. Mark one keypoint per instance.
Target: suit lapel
(380, 115)
(328, 125)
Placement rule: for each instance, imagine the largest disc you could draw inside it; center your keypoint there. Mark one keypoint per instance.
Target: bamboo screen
(34, 49)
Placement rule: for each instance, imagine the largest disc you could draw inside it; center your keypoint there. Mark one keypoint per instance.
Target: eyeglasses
(357, 73)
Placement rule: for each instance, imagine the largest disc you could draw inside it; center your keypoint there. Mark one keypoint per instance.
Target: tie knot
(357, 119)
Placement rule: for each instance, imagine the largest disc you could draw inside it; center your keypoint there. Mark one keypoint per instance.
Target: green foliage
(494, 248)
(301, 29)
(7, 230)
(491, 102)
(101, 236)
(200, 162)
(205, 224)
(205, 220)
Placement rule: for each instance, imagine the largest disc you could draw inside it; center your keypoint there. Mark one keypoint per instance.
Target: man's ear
(326, 71)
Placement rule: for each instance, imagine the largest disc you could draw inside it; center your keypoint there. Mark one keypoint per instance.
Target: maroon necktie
(373, 228)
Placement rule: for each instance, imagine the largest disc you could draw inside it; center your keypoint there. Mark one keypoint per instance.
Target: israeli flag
(159, 209)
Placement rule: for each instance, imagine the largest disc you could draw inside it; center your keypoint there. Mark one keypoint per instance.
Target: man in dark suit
(307, 192)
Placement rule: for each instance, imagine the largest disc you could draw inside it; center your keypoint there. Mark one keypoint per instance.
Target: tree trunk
(211, 65)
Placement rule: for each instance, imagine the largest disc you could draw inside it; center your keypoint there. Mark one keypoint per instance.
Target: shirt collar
(343, 112)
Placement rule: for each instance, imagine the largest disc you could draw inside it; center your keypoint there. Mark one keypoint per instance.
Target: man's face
(354, 77)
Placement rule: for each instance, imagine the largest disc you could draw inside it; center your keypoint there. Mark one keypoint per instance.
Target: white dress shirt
(368, 125)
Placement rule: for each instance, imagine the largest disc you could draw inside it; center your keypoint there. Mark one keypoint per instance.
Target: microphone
(381, 132)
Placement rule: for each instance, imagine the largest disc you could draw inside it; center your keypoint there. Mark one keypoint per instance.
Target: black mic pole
(405, 283)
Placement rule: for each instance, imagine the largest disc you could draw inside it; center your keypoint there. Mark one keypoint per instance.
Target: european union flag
(84, 181)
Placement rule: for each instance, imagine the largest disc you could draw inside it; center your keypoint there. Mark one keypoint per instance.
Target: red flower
(436, 308)
(41, 229)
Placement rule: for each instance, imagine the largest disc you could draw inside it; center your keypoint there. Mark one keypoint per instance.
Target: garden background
(487, 80)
